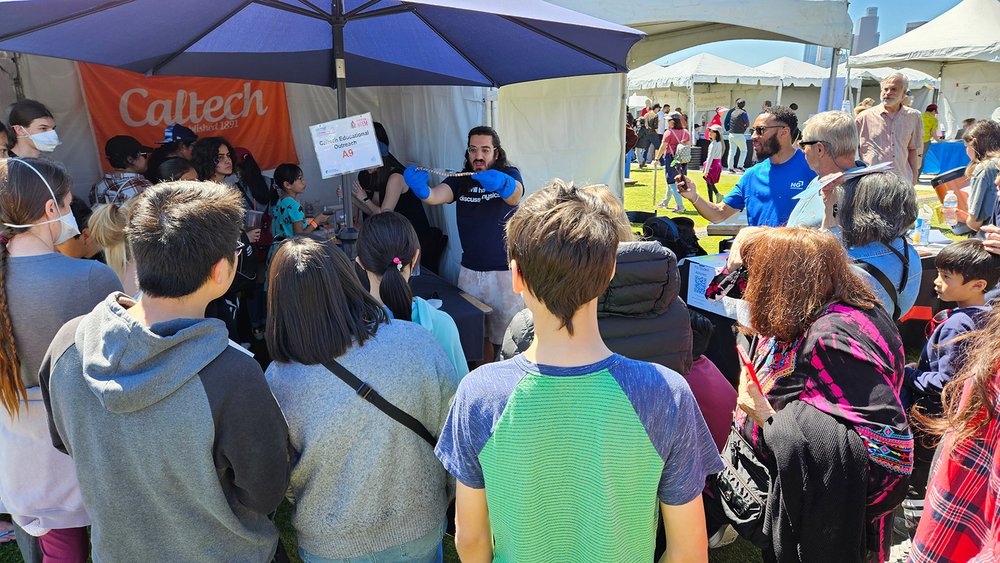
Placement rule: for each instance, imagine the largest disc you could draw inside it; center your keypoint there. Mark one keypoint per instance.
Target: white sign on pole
(346, 145)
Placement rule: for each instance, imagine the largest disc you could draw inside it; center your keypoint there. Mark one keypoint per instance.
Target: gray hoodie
(180, 449)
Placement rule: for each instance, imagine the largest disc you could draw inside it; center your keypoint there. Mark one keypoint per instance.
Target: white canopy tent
(794, 72)
(960, 46)
(703, 68)
(702, 83)
(801, 81)
(573, 128)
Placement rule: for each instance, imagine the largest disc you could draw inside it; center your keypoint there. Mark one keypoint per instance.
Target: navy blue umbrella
(340, 43)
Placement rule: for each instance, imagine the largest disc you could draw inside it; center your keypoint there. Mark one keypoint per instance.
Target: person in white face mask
(34, 128)
(40, 290)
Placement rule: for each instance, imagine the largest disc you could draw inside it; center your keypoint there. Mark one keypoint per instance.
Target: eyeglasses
(809, 143)
(759, 130)
(220, 157)
(477, 150)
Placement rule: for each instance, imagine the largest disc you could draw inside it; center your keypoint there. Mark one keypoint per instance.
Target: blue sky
(893, 16)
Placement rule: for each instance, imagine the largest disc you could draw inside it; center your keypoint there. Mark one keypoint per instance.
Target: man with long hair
(486, 199)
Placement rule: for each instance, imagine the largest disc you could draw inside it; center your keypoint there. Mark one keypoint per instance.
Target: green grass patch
(640, 197)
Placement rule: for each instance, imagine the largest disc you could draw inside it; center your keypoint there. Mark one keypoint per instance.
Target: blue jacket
(940, 359)
(443, 327)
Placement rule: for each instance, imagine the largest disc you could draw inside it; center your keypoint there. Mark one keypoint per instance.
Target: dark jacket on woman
(640, 316)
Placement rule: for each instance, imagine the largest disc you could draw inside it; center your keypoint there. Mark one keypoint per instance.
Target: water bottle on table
(922, 234)
(949, 209)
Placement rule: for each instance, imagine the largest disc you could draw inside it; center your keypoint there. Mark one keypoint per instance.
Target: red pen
(749, 365)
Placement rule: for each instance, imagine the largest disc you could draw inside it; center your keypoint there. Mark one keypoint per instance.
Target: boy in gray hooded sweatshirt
(180, 449)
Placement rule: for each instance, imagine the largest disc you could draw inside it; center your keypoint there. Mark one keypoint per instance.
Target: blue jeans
(670, 172)
(629, 158)
(421, 550)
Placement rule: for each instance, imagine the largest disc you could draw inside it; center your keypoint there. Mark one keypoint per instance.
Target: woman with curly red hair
(826, 420)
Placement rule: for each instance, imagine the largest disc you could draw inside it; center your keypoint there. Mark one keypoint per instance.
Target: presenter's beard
(479, 165)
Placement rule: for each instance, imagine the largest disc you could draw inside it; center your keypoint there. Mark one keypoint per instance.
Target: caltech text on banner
(248, 113)
(346, 145)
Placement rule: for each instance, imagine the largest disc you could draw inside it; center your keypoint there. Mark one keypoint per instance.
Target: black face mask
(727, 284)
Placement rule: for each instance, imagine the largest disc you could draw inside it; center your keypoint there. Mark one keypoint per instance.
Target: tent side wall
(972, 90)
(569, 128)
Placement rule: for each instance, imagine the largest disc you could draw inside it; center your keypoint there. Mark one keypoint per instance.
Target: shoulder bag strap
(904, 259)
(883, 280)
(366, 392)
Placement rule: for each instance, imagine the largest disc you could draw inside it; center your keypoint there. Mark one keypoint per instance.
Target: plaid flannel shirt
(961, 519)
(118, 187)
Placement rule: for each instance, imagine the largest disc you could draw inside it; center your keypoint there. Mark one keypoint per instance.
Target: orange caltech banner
(248, 113)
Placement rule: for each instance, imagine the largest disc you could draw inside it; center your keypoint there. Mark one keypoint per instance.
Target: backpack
(676, 234)
(682, 155)
(726, 121)
(740, 124)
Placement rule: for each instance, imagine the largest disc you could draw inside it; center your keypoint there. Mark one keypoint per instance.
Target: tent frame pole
(834, 63)
(347, 235)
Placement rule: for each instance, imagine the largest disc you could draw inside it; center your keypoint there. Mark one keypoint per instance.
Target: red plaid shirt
(961, 519)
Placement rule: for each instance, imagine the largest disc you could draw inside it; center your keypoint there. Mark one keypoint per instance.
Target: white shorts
(494, 289)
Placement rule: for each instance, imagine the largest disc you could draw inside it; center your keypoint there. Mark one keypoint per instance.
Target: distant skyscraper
(814, 54)
(910, 26)
(867, 35)
(810, 53)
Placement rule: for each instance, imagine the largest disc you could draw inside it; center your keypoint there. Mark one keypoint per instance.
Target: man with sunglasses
(766, 190)
(829, 143)
(486, 199)
(128, 158)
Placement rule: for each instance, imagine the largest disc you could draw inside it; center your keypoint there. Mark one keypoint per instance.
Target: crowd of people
(597, 427)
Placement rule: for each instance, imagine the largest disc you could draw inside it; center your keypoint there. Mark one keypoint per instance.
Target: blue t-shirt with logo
(482, 216)
(767, 191)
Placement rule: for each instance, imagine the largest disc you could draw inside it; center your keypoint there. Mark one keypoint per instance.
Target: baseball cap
(241, 154)
(123, 146)
(716, 127)
(178, 132)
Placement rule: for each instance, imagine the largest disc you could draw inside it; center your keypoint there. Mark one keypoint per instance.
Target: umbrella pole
(347, 235)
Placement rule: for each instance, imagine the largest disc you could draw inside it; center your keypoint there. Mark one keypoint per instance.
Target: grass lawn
(639, 197)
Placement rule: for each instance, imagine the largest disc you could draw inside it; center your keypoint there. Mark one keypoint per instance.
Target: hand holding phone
(745, 360)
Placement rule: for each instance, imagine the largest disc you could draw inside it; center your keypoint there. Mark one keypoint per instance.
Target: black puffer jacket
(641, 316)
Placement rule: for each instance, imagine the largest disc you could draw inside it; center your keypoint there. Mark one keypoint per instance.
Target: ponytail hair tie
(398, 263)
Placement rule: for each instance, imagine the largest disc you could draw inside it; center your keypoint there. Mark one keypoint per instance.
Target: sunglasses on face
(759, 130)
(810, 143)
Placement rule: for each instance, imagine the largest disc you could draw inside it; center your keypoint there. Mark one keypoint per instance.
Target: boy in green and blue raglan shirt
(566, 452)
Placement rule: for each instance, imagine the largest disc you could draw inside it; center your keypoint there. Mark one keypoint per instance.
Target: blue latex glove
(418, 181)
(496, 181)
